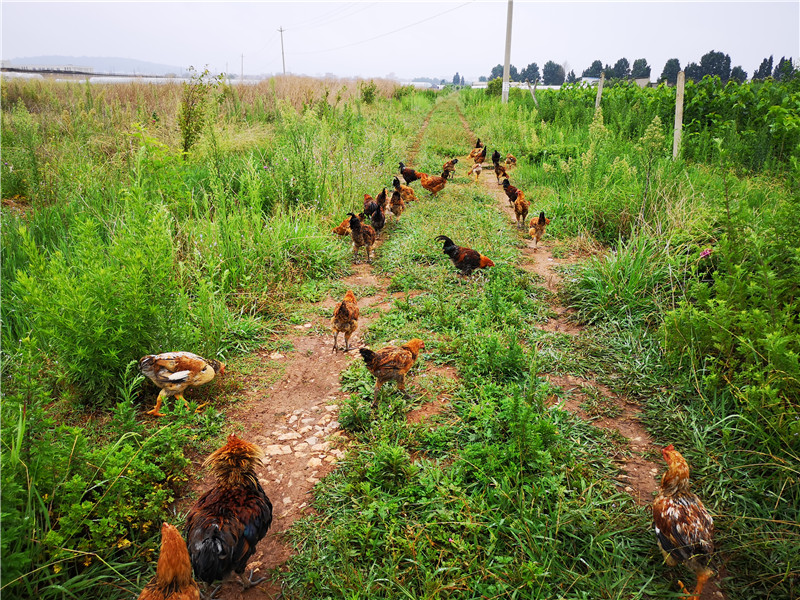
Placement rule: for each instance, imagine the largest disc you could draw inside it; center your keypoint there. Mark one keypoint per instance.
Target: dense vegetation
(694, 305)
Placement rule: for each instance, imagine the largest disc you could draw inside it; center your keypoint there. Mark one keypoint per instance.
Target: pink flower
(706, 252)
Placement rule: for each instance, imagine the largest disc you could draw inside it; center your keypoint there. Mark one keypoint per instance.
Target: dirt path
(639, 476)
(620, 414)
(290, 407)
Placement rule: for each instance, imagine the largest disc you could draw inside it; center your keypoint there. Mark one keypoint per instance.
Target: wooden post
(533, 91)
(507, 67)
(676, 140)
(599, 91)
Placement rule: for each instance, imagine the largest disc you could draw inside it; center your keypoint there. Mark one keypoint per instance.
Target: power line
(321, 19)
(382, 35)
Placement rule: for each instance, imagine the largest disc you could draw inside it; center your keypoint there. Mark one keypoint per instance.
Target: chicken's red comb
(669, 448)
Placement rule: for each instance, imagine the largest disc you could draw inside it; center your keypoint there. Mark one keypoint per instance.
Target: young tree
(738, 74)
(530, 73)
(784, 69)
(765, 70)
(640, 68)
(622, 69)
(482, 78)
(195, 107)
(594, 70)
(670, 72)
(552, 73)
(693, 71)
(462, 80)
(716, 64)
(571, 78)
(456, 79)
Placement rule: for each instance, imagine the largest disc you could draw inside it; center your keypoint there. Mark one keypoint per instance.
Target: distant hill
(100, 64)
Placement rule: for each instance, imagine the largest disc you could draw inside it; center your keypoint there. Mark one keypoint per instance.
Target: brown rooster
(521, 206)
(409, 174)
(466, 260)
(433, 183)
(510, 190)
(480, 156)
(537, 227)
(173, 580)
(345, 319)
(449, 168)
(684, 529)
(173, 372)
(396, 203)
(226, 523)
(343, 228)
(406, 192)
(391, 364)
(362, 235)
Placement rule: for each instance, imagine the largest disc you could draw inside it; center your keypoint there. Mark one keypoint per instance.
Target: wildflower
(706, 252)
(57, 568)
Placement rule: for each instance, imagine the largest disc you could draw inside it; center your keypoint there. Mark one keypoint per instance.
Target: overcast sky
(401, 39)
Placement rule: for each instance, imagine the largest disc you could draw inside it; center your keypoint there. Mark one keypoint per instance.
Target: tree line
(712, 63)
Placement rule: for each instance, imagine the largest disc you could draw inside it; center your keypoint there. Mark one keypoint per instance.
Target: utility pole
(507, 65)
(281, 29)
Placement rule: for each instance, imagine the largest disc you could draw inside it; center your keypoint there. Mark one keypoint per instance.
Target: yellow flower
(57, 568)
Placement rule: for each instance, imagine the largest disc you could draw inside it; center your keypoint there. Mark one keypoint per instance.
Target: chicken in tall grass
(684, 528)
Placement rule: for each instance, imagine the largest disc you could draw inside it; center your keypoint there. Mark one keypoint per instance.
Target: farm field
(660, 308)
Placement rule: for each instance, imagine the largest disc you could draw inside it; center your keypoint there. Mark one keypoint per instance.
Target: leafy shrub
(369, 91)
(194, 107)
(81, 511)
(111, 300)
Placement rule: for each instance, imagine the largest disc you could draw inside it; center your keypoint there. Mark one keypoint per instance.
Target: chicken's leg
(156, 412)
(248, 583)
(186, 402)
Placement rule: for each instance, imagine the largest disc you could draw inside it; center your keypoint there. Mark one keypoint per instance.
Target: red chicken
(345, 319)
(362, 235)
(225, 524)
(537, 229)
(409, 174)
(173, 580)
(466, 260)
(450, 168)
(391, 364)
(510, 190)
(433, 183)
(406, 193)
(684, 529)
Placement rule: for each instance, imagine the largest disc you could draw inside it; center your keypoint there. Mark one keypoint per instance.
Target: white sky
(402, 39)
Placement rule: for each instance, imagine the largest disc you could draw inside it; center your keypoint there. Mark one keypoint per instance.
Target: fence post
(676, 141)
(599, 91)
(533, 91)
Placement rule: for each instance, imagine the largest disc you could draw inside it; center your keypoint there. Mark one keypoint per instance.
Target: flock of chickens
(226, 523)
